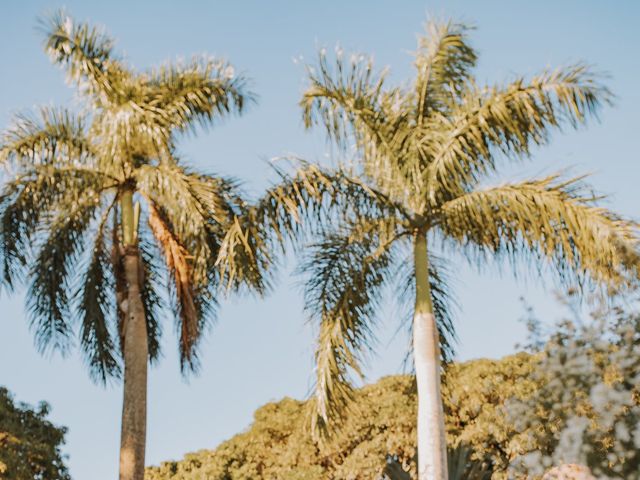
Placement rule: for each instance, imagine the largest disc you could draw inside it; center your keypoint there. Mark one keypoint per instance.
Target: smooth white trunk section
(432, 448)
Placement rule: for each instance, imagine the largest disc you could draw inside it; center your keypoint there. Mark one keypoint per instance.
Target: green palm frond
(349, 100)
(442, 298)
(30, 199)
(87, 54)
(197, 198)
(345, 99)
(197, 92)
(555, 219)
(53, 273)
(292, 209)
(96, 309)
(245, 255)
(346, 276)
(510, 119)
(309, 194)
(444, 61)
(53, 134)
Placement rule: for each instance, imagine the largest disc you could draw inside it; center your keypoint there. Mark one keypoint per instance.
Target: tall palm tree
(100, 209)
(417, 186)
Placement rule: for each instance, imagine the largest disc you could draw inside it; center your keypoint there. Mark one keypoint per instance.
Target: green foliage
(574, 399)
(586, 410)
(30, 445)
(62, 216)
(379, 429)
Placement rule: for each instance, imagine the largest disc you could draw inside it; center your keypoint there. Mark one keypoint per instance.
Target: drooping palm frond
(30, 199)
(444, 61)
(554, 219)
(189, 215)
(96, 309)
(87, 54)
(342, 294)
(195, 205)
(53, 134)
(197, 92)
(510, 119)
(53, 273)
(312, 192)
(245, 259)
(179, 265)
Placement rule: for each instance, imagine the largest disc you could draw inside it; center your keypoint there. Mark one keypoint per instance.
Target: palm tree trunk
(135, 349)
(432, 449)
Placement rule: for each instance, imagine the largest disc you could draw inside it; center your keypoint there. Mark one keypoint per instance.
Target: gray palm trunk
(432, 450)
(135, 353)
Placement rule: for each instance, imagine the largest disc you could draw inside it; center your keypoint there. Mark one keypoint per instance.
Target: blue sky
(261, 350)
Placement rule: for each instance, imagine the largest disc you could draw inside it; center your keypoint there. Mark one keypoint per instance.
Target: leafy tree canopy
(278, 444)
(30, 445)
(572, 397)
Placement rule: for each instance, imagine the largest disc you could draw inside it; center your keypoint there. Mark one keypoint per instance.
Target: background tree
(100, 209)
(30, 445)
(278, 445)
(417, 186)
(573, 398)
(586, 410)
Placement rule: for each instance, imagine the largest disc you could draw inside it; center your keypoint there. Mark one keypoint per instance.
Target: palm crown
(423, 152)
(82, 183)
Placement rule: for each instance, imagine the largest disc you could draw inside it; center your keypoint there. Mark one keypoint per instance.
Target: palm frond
(555, 220)
(51, 135)
(87, 54)
(197, 92)
(53, 272)
(305, 199)
(32, 197)
(180, 267)
(346, 276)
(245, 256)
(510, 120)
(96, 310)
(444, 61)
(302, 203)
(350, 101)
(197, 206)
(345, 99)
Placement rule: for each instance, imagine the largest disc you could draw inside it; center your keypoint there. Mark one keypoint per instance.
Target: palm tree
(417, 188)
(100, 208)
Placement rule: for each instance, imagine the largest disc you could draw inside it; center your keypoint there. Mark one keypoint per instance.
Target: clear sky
(261, 350)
